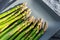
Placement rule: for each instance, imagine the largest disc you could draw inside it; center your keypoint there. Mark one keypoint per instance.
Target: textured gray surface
(54, 5)
(40, 10)
(56, 36)
(5, 3)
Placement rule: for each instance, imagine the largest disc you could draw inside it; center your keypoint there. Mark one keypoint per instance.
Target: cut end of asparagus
(23, 8)
(28, 14)
(31, 18)
(45, 26)
(35, 21)
(41, 20)
(28, 10)
(40, 23)
(23, 4)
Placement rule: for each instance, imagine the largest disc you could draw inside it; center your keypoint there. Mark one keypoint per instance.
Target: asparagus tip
(28, 10)
(35, 20)
(45, 26)
(24, 7)
(41, 24)
(25, 3)
(31, 18)
(41, 20)
(28, 14)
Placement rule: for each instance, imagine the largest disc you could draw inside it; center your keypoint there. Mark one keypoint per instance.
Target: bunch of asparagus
(17, 24)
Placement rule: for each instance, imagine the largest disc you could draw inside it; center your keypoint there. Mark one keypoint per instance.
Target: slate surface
(40, 10)
(5, 3)
(56, 36)
(54, 5)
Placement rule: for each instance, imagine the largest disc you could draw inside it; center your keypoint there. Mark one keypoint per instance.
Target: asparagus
(39, 35)
(15, 24)
(10, 33)
(32, 32)
(35, 30)
(2, 27)
(42, 31)
(30, 21)
(11, 10)
(1, 20)
(27, 30)
(13, 16)
(26, 36)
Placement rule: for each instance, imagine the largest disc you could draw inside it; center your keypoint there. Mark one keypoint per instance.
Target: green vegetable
(11, 32)
(14, 16)
(26, 31)
(17, 24)
(39, 25)
(21, 29)
(32, 32)
(42, 31)
(1, 20)
(2, 27)
(39, 35)
(11, 10)
(14, 24)
(23, 38)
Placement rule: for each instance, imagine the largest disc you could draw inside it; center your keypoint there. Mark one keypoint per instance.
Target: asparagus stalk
(30, 21)
(42, 31)
(15, 24)
(1, 20)
(26, 36)
(11, 10)
(32, 32)
(39, 35)
(11, 32)
(2, 27)
(35, 31)
(26, 31)
(13, 16)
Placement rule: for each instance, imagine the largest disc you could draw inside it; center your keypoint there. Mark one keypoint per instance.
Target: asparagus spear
(32, 32)
(15, 24)
(2, 27)
(38, 28)
(11, 32)
(39, 35)
(27, 30)
(11, 10)
(26, 35)
(14, 16)
(1, 20)
(35, 30)
(30, 21)
(42, 31)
